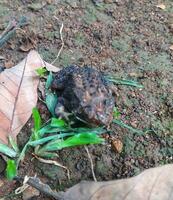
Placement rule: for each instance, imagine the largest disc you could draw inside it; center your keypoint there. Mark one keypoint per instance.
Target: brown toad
(84, 92)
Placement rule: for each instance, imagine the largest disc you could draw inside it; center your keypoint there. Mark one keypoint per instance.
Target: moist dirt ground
(129, 39)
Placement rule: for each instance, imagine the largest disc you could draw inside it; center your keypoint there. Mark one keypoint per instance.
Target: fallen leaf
(171, 47)
(155, 183)
(117, 145)
(18, 91)
(161, 6)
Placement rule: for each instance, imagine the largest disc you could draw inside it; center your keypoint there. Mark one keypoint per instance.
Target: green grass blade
(58, 123)
(78, 139)
(7, 151)
(49, 129)
(49, 80)
(82, 139)
(42, 141)
(37, 119)
(44, 130)
(52, 137)
(11, 169)
(23, 152)
(13, 144)
(123, 82)
(51, 101)
(122, 124)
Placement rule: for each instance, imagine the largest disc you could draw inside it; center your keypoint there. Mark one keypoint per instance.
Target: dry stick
(11, 30)
(44, 188)
(62, 42)
(91, 162)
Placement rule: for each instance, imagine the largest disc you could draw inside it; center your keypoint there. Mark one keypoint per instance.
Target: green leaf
(44, 130)
(78, 139)
(37, 119)
(7, 151)
(58, 123)
(51, 101)
(49, 80)
(52, 137)
(11, 169)
(13, 144)
(41, 71)
(43, 140)
(82, 139)
(23, 152)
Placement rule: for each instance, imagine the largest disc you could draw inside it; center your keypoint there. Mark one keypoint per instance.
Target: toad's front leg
(60, 111)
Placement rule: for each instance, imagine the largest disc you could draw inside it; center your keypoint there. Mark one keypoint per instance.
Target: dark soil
(130, 39)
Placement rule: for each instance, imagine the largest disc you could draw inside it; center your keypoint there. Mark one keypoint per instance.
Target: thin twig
(53, 162)
(62, 42)
(91, 162)
(44, 188)
(11, 30)
(9, 27)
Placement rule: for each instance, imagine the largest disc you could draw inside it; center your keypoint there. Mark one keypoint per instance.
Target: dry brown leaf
(153, 184)
(161, 6)
(117, 145)
(18, 91)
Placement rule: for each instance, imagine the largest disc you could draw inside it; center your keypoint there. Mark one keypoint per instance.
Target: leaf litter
(18, 90)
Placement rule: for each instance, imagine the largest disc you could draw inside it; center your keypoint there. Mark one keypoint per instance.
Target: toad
(84, 92)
